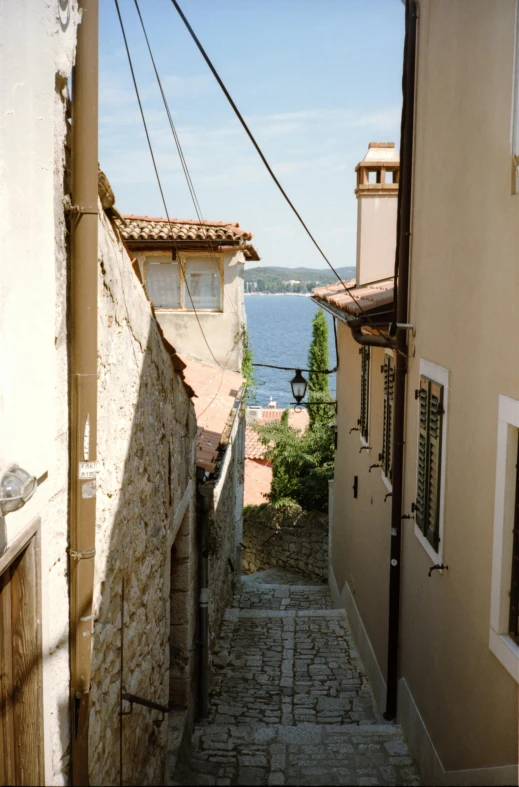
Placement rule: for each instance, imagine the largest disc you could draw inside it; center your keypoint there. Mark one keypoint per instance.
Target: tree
(319, 359)
(302, 463)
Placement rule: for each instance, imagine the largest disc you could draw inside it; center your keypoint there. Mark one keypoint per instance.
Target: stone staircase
(290, 702)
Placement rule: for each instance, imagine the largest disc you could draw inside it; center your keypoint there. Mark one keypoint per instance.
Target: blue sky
(316, 81)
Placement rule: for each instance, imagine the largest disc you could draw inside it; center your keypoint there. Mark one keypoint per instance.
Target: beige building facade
(193, 274)
(458, 652)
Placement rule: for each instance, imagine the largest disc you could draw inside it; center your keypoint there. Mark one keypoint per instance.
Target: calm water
(280, 332)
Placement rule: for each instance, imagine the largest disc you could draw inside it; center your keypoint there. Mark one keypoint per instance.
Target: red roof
(362, 299)
(253, 448)
(216, 393)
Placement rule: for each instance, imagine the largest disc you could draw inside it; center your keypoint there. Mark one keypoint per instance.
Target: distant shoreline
(300, 294)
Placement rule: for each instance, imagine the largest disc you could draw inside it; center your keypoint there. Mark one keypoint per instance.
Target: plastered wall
(361, 526)
(37, 49)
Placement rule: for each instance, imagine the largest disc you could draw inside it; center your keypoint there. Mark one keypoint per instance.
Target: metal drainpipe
(83, 380)
(204, 510)
(402, 271)
(400, 344)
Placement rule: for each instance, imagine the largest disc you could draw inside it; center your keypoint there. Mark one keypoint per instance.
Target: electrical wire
(158, 176)
(264, 160)
(295, 369)
(181, 155)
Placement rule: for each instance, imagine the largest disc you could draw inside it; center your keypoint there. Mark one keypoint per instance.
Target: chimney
(378, 175)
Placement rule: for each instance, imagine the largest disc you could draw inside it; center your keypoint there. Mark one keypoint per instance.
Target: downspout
(401, 311)
(400, 345)
(205, 496)
(83, 380)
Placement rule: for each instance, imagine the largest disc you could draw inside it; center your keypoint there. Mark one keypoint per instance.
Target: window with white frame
(193, 283)
(504, 603)
(365, 357)
(432, 398)
(514, 131)
(386, 457)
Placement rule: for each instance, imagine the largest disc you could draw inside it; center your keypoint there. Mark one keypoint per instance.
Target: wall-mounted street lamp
(17, 486)
(299, 385)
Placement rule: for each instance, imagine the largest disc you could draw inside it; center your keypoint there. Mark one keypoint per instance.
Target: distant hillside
(278, 279)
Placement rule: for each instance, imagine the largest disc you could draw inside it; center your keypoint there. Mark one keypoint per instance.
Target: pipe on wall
(204, 513)
(401, 318)
(83, 378)
(399, 343)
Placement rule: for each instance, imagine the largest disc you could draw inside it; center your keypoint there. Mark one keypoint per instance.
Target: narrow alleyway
(290, 703)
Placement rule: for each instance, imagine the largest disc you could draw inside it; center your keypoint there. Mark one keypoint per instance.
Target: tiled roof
(216, 392)
(253, 448)
(362, 299)
(258, 481)
(147, 228)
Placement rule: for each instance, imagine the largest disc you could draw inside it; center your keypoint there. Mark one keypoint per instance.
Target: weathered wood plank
(26, 665)
(6, 683)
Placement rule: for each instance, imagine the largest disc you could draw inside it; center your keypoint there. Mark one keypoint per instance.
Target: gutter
(83, 379)
(396, 340)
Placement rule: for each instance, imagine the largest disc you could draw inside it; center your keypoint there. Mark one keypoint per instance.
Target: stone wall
(289, 538)
(225, 530)
(145, 528)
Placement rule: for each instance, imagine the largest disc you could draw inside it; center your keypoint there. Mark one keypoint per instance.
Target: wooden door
(21, 723)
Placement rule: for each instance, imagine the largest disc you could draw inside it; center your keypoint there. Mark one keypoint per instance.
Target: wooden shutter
(428, 483)
(387, 431)
(364, 392)
(513, 627)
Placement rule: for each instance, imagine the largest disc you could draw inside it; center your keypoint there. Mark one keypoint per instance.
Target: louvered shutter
(428, 484)
(420, 512)
(364, 392)
(387, 432)
(513, 627)
(432, 532)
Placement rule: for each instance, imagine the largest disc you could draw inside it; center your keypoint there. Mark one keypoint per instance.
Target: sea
(280, 331)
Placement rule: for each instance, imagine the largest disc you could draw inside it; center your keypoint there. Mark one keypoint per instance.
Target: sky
(316, 81)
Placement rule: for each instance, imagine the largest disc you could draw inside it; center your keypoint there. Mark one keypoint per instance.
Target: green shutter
(428, 483)
(387, 432)
(364, 392)
(422, 454)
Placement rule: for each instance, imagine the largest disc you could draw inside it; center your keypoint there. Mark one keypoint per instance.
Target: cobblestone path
(290, 703)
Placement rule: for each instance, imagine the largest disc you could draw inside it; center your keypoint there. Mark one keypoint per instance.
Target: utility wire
(183, 161)
(294, 369)
(262, 156)
(157, 172)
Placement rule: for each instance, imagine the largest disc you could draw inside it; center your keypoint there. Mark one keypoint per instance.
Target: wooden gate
(21, 722)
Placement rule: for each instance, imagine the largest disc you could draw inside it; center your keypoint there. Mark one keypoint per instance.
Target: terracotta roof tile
(365, 298)
(258, 480)
(216, 391)
(146, 228)
(253, 448)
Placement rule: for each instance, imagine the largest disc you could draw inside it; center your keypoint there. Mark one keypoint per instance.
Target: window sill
(387, 482)
(436, 557)
(365, 443)
(506, 651)
(166, 310)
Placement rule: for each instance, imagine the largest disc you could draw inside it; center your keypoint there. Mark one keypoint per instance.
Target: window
(513, 624)
(202, 283)
(163, 282)
(193, 283)
(429, 473)
(504, 601)
(514, 132)
(364, 392)
(387, 429)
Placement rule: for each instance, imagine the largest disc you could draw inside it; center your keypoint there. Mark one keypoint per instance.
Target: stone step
(305, 754)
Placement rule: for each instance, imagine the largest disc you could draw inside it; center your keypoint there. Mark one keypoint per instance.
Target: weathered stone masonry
(294, 540)
(145, 518)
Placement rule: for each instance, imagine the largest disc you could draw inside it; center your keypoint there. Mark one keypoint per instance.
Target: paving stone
(290, 702)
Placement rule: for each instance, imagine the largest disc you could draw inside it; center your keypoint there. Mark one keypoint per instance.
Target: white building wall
(37, 46)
